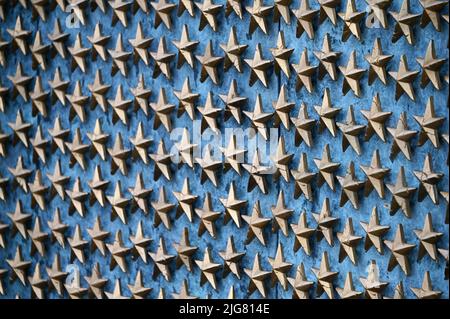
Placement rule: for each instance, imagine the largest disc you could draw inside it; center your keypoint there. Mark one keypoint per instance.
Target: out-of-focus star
(118, 203)
(58, 87)
(185, 201)
(428, 180)
(140, 45)
(350, 131)
(162, 111)
(327, 113)
(19, 266)
(77, 198)
(328, 10)
(350, 187)
(58, 38)
(372, 284)
(186, 149)
(233, 51)
(326, 168)
(162, 209)
(20, 174)
(78, 103)
(19, 220)
(325, 277)
(327, 59)
(162, 161)
(428, 238)
(20, 83)
(184, 251)
(162, 59)
(208, 269)
(374, 231)
(161, 260)
(256, 224)
(38, 191)
(258, 67)
(325, 222)
(429, 124)
(281, 55)
(98, 42)
(281, 161)
(305, 16)
(162, 13)
(377, 62)
(77, 244)
(399, 251)
(78, 53)
(58, 228)
(352, 19)
(352, 75)
(300, 284)
(209, 166)
(281, 215)
(98, 235)
(185, 48)
(404, 20)
(280, 268)
(376, 119)
(401, 194)
(118, 252)
(19, 36)
(401, 137)
(207, 217)
(140, 242)
(431, 12)
(378, 7)
(259, 118)
(348, 241)
(302, 234)
(304, 72)
(120, 9)
(231, 259)
(233, 156)
(138, 290)
(232, 206)
(257, 174)
(257, 277)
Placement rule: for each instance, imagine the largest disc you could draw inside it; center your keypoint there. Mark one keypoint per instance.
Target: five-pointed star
(77, 244)
(233, 51)
(282, 108)
(118, 203)
(302, 234)
(401, 135)
(209, 11)
(186, 5)
(56, 276)
(350, 131)
(426, 291)
(258, 67)
(399, 251)
(185, 47)
(327, 59)
(305, 16)
(162, 13)
(231, 259)
(96, 282)
(140, 4)
(98, 236)
(118, 252)
(404, 21)
(259, 118)
(38, 99)
(404, 78)
(120, 8)
(257, 174)
(98, 139)
(256, 224)
(162, 111)
(186, 99)
(428, 238)
(19, 266)
(184, 251)
(300, 284)
(162, 59)
(140, 242)
(58, 38)
(327, 113)
(186, 149)
(377, 62)
(232, 206)
(58, 228)
(74, 288)
(304, 72)
(39, 144)
(325, 222)
(234, 6)
(429, 124)
(120, 106)
(348, 291)
(141, 94)
(98, 186)
(20, 174)
(401, 194)
(183, 294)
(99, 90)
(233, 155)
(19, 220)
(77, 102)
(38, 191)
(37, 238)
(325, 277)
(98, 42)
(20, 83)
(281, 56)
(209, 166)
(399, 292)
(378, 7)
(350, 187)
(303, 126)
(78, 53)
(140, 45)
(257, 277)
(185, 201)
(19, 36)
(326, 168)
(257, 13)
(161, 260)
(119, 155)
(208, 269)
(77, 198)
(352, 75)
(280, 268)
(352, 19)
(58, 87)
(431, 12)
(328, 10)
(140, 194)
(117, 292)
(38, 52)
(207, 217)
(374, 231)
(140, 143)
(281, 8)
(428, 180)
(376, 118)
(348, 241)
(372, 284)
(162, 209)
(209, 64)
(281, 161)
(162, 161)
(119, 57)
(281, 215)
(209, 114)
(138, 290)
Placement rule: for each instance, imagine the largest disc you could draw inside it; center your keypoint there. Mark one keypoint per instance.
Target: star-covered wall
(13, 40)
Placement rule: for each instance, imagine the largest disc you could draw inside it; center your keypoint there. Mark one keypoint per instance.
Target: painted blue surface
(270, 94)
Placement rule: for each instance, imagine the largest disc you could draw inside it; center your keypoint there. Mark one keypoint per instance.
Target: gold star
(401, 194)
(37, 238)
(256, 224)
(399, 292)
(119, 57)
(372, 284)
(282, 108)
(281, 160)
(78, 53)
(38, 191)
(327, 59)
(350, 131)
(162, 59)
(79, 12)
(77, 198)
(186, 149)
(162, 209)
(378, 62)
(209, 64)
(19, 220)
(234, 6)
(257, 173)
(378, 7)
(325, 222)
(138, 290)
(185, 47)
(281, 215)
(257, 276)
(348, 292)
(209, 114)
(430, 67)
(184, 251)
(352, 75)
(259, 118)
(185, 201)
(279, 268)
(352, 19)
(96, 282)
(303, 125)
(140, 144)
(326, 168)
(183, 294)
(207, 217)
(98, 90)
(20, 83)
(162, 111)
(162, 161)
(58, 38)
(401, 135)
(38, 52)
(305, 17)
(429, 124)
(98, 42)
(233, 156)
(426, 291)
(161, 260)
(141, 95)
(232, 206)
(231, 259)
(78, 102)
(209, 11)
(348, 242)
(74, 288)
(258, 66)
(185, 5)
(118, 203)
(208, 269)
(98, 140)
(120, 8)
(428, 180)
(300, 285)
(233, 50)
(38, 98)
(374, 231)
(328, 10)
(19, 36)
(58, 87)
(209, 166)
(257, 13)
(327, 113)
(98, 236)
(431, 10)
(404, 78)
(140, 194)
(304, 72)
(428, 238)
(19, 266)
(118, 252)
(325, 277)
(39, 144)
(140, 243)
(20, 174)
(399, 251)
(350, 187)
(119, 155)
(97, 186)
(186, 99)
(281, 56)
(117, 292)
(3, 228)
(404, 21)
(58, 228)
(77, 150)
(140, 4)
(57, 276)
(376, 118)
(3, 91)
(77, 244)
(162, 13)
(302, 234)
(120, 106)
(140, 44)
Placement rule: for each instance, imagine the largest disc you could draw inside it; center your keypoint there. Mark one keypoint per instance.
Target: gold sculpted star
(428, 238)
(185, 5)
(326, 168)
(118, 203)
(118, 252)
(186, 149)
(257, 174)
(162, 209)
(325, 222)
(426, 291)
(281, 215)
(402, 136)
(99, 90)
(119, 155)
(185, 201)
(259, 118)
(19, 220)
(401, 194)
(352, 19)
(19, 266)
(209, 64)
(120, 106)
(98, 42)
(303, 126)
(375, 174)
(120, 8)
(257, 13)
(281, 55)
(348, 292)
(140, 194)
(348, 241)
(119, 57)
(300, 284)
(256, 224)
(162, 161)
(58, 87)
(233, 51)
(39, 144)
(19, 36)
(428, 181)
(184, 251)
(162, 111)
(208, 269)
(377, 62)
(302, 234)
(376, 119)
(140, 143)
(98, 186)
(38, 99)
(98, 236)
(20, 174)
(138, 290)
(325, 277)
(183, 294)
(258, 67)
(431, 12)
(117, 292)
(378, 8)
(57, 277)
(233, 155)
(281, 161)
(78, 103)
(231, 259)
(20, 83)
(38, 237)
(207, 217)
(140, 242)
(186, 100)
(185, 47)
(232, 206)
(282, 108)
(304, 72)
(77, 245)
(96, 282)
(58, 38)
(78, 53)
(140, 4)
(404, 78)
(209, 11)
(162, 13)
(429, 124)
(327, 113)
(140, 45)
(209, 166)
(404, 20)
(98, 139)
(430, 67)
(328, 10)
(280, 268)
(74, 288)
(399, 251)
(162, 59)
(3, 228)
(38, 52)
(350, 131)
(161, 260)
(77, 150)
(141, 95)
(257, 277)
(350, 187)
(352, 75)
(58, 228)
(305, 16)
(374, 231)
(281, 8)
(3, 91)
(77, 198)
(372, 284)
(327, 59)
(234, 6)
(38, 191)
(209, 114)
